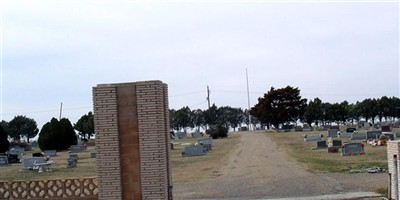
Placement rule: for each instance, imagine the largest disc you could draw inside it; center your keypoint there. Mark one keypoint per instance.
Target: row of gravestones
(181, 135)
(203, 146)
(347, 148)
(362, 136)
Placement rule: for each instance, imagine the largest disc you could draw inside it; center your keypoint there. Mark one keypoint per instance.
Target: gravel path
(259, 170)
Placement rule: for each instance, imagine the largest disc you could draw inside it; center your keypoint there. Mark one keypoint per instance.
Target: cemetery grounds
(208, 167)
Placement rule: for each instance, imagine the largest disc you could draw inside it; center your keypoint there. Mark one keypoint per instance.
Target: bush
(4, 143)
(57, 135)
(218, 132)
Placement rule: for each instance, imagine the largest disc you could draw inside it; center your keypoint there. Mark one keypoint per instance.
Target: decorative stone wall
(132, 140)
(393, 153)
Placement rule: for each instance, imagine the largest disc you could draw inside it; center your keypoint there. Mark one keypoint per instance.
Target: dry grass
(183, 168)
(321, 161)
(86, 167)
(187, 169)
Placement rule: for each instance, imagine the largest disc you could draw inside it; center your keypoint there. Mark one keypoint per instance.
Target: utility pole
(208, 97)
(60, 111)
(248, 99)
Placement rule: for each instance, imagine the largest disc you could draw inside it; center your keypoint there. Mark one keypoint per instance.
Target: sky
(55, 52)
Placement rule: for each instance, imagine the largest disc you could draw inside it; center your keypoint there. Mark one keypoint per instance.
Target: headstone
(307, 129)
(345, 135)
(243, 128)
(29, 163)
(350, 130)
(298, 128)
(181, 135)
(397, 135)
(386, 129)
(13, 158)
(333, 133)
(334, 127)
(50, 153)
(196, 134)
(28, 147)
(359, 136)
(334, 143)
(352, 149)
(194, 150)
(92, 154)
(71, 162)
(37, 154)
(34, 144)
(373, 134)
(4, 161)
(312, 138)
(77, 148)
(17, 150)
(206, 142)
(321, 145)
(74, 156)
(390, 136)
(287, 127)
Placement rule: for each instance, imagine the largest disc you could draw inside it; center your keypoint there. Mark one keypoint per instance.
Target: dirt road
(258, 169)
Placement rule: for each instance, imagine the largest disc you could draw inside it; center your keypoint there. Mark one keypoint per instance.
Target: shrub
(218, 132)
(57, 135)
(4, 143)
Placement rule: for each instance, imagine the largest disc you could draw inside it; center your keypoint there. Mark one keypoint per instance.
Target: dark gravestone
(352, 149)
(359, 136)
(321, 145)
(386, 129)
(74, 156)
(333, 149)
(4, 161)
(373, 134)
(287, 127)
(34, 144)
(397, 135)
(71, 162)
(13, 158)
(93, 155)
(345, 135)
(37, 154)
(336, 143)
(333, 133)
(351, 130)
(194, 150)
(77, 149)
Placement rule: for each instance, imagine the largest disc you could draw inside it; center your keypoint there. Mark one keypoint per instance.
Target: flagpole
(248, 99)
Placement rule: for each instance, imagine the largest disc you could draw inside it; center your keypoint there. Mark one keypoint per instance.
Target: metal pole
(248, 99)
(60, 111)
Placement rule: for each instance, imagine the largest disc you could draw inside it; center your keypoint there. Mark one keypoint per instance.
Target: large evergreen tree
(57, 135)
(22, 126)
(85, 126)
(280, 106)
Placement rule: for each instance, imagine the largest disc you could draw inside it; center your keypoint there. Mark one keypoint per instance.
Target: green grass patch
(318, 160)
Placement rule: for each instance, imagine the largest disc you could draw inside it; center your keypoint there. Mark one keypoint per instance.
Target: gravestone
(390, 136)
(307, 129)
(181, 135)
(359, 136)
(71, 162)
(13, 158)
(312, 138)
(345, 135)
(334, 143)
(206, 142)
(386, 129)
(51, 153)
(17, 150)
(350, 130)
(397, 135)
(352, 149)
(77, 148)
(29, 163)
(194, 150)
(4, 161)
(196, 134)
(333, 149)
(34, 144)
(92, 154)
(74, 156)
(333, 133)
(321, 145)
(334, 127)
(373, 134)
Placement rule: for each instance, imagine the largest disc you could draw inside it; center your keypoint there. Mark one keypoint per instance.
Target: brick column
(132, 136)
(393, 153)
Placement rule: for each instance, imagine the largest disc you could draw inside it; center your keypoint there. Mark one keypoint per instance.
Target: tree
(4, 143)
(85, 125)
(182, 118)
(57, 135)
(313, 112)
(198, 118)
(230, 117)
(279, 106)
(211, 115)
(22, 126)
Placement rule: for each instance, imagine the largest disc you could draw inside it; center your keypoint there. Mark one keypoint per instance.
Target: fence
(78, 189)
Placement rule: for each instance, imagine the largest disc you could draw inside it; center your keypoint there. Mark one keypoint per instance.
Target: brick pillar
(132, 140)
(393, 153)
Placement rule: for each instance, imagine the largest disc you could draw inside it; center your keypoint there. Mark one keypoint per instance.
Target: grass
(320, 161)
(86, 167)
(184, 169)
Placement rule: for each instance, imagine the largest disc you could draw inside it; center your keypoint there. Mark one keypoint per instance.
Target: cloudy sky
(56, 51)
